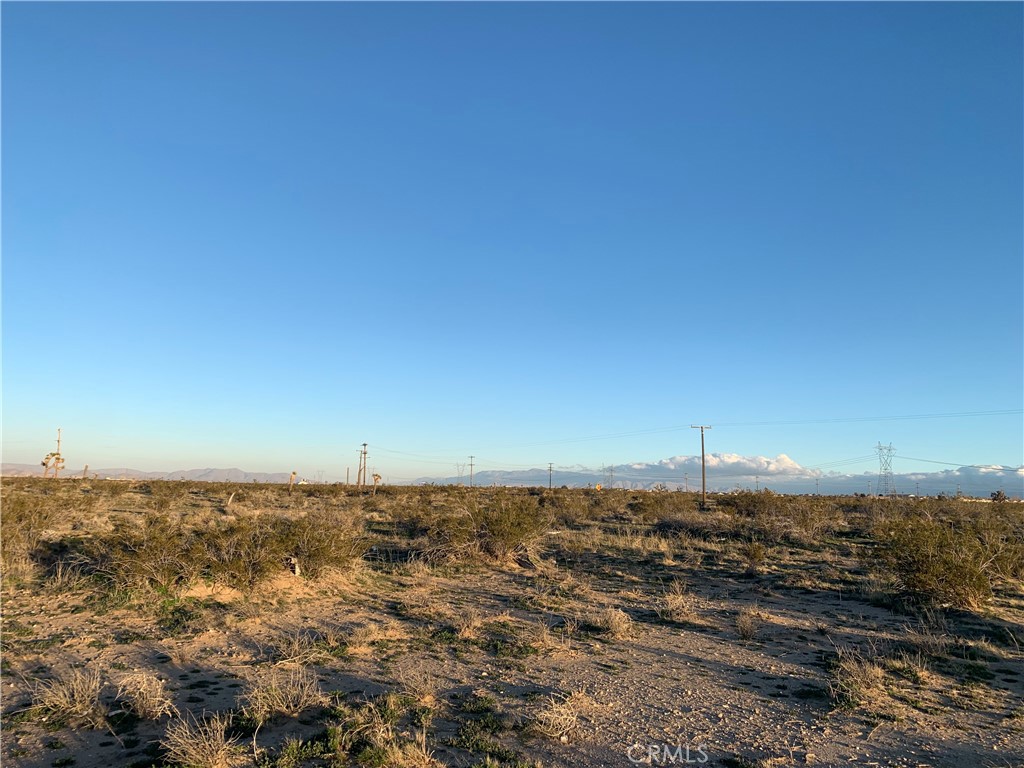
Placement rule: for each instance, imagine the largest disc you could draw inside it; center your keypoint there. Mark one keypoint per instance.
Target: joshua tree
(53, 460)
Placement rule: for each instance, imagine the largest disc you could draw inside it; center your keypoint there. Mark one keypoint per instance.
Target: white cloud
(727, 471)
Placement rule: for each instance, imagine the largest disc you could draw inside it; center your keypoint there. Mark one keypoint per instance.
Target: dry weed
(282, 693)
(615, 622)
(74, 699)
(676, 604)
(748, 621)
(559, 717)
(360, 641)
(372, 724)
(418, 685)
(67, 575)
(467, 623)
(203, 743)
(302, 647)
(145, 694)
(926, 640)
(855, 679)
(545, 641)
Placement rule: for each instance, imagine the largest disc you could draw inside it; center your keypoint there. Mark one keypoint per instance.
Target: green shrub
(954, 558)
(165, 494)
(323, 539)
(25, 518)
(510, 524)
(496, 526)
(153, 553)
(246, 552)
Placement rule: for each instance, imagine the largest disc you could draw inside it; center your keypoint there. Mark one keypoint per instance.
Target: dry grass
(361, 640)
(203, 743)
(926, 640)
(372, 724)
(855, 679)
(418, 685)
(677, 604)
(615, 623)
(302, 647)
(467, 623)
(282, 693)
(73, 698)
(145, 694)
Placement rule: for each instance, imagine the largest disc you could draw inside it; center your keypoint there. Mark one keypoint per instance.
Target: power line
(955, 464)
(781, 423)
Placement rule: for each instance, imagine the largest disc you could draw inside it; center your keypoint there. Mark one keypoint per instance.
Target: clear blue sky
(258, 235)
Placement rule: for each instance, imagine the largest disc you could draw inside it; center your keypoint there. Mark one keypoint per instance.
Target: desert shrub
(451, 537)
(324, 538)
(754, 553)
(952, 558)
(805, 521)
(764, 503)
(154, 553)
(25, 518)
(246, 552)
(655, 506)
(775, 519)
(748, 621)
(167, 493)
(412, 517)
(509, 524)
(502, 526)
(567, 507)
(1000, 533)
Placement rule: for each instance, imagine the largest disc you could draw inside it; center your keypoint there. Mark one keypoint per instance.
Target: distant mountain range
(725, 472)
(209, 475)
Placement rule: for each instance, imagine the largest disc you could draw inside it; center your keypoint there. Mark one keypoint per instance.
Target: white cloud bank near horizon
(728, 471)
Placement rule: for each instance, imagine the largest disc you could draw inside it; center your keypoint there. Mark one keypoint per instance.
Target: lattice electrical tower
(886, 486)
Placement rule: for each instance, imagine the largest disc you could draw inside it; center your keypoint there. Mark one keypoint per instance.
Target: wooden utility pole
(703, 467)
(470, 471)
(361, 474)
(549, 475)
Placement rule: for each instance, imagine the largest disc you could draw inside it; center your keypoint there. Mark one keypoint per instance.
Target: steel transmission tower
(886, 486)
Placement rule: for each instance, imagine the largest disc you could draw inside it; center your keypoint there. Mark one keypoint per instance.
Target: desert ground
(200, 624)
